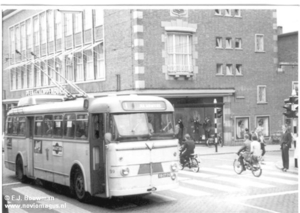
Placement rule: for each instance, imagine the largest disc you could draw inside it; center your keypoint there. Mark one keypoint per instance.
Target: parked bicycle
(193, 163)
(255, 168)
(211, 141)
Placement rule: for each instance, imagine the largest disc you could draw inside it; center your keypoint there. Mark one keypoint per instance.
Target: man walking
(286, 142)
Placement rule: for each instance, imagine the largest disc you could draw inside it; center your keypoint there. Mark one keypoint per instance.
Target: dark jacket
(286, 139)
(188, 146)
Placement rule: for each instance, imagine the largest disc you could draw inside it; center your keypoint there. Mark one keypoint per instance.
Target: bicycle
(192, 163)
(211, 141)
(238, 168)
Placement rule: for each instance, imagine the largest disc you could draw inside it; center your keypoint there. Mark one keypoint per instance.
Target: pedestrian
(248, 133)
(179, 131)
(255, 150)
(286, 141)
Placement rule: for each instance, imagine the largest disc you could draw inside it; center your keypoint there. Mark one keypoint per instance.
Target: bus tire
(20, 170)
(78, 187)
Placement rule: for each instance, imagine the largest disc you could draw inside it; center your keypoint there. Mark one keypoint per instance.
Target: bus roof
(112, 104)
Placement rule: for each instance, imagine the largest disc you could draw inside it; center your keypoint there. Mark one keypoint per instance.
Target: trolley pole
(215, 121)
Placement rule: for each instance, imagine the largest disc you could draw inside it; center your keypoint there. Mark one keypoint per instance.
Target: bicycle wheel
(237, 167)
(194, 165)
(256, 171)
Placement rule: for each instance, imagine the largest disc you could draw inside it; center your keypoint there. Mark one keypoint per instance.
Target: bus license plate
(163, 175)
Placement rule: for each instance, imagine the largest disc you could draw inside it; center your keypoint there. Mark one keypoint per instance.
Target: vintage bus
(105, 147)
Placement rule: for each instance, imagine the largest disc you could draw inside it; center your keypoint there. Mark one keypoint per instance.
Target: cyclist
(187, 148)
(247, 148)
(255, 150)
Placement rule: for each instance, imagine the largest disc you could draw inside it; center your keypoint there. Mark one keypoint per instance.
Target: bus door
(97, 146)
(30, 143)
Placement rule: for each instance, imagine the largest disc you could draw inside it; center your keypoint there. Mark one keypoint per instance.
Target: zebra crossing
(207, 182)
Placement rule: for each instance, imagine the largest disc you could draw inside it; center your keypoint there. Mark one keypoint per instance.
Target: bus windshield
(139, 124)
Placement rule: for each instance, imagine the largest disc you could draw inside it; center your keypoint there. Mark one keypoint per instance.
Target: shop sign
(46, 91)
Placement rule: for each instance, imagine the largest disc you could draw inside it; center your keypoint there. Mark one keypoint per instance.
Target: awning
(17, 65)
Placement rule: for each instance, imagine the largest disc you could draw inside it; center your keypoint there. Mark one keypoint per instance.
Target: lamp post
(215, 122)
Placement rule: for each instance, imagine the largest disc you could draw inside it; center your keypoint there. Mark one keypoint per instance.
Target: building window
(100, 68)
(50, 22)
(218, 12)
(219, 42)
(43, 28)
(28, 34)
(219, 69)
(238, 69)
(79, 66)
(261, 94)
(259, 43)
(58, 31)
(69, 68)
(238, 43)
(18, 40)
(227, 12)
(98, 24)
(12, 45)
(242, 123)
(23, 39)
(78, 23)
(68, 24)
(237, 13)
(88, 19)
(29, 76)
(88, 64)
(179, 50)
(228, 69)
(228, 42)
(25, 78)
(58, 68)
(295, 87)
(19, 78)
(36, 32)
(262, 126)
(13, 79)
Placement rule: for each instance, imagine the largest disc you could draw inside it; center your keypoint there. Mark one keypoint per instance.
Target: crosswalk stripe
(34, 193)
(198, 174)
(192, 192)
(277, 173)
(277, 180)
(220, 187)
(160, 198)
(219, 171)
(243, 182)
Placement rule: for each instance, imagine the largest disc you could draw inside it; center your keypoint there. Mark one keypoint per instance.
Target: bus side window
(38, 125)
(82, 126)
(69, 125)
(9, 126)
(15, 125)
(48, 126)
(112, 128)
(21, 126)
(57, 126)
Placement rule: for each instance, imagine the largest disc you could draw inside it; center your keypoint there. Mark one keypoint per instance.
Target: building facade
(193, 58)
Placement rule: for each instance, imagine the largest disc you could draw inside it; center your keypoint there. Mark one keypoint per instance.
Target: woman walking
(286, 141)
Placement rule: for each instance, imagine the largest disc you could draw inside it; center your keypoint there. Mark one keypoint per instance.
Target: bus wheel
(19, 170)
(78, 185)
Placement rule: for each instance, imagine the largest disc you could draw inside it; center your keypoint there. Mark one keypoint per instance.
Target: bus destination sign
(144, 105)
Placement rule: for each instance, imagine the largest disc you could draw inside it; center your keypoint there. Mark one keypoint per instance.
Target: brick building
(190, 57)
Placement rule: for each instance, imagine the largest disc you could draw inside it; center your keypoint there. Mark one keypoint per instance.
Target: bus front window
(160, 124)
(131, 124)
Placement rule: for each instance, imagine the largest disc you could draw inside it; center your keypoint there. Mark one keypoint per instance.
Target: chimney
(279, 30)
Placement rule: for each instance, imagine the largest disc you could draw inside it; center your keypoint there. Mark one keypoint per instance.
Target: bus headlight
(173, 176)
(174, 167)
(124, 172)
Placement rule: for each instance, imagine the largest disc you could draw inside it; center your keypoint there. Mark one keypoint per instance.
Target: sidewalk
(203, 150)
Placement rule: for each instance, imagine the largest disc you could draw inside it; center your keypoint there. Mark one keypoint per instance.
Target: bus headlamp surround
(174, 167)
(125, 172)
